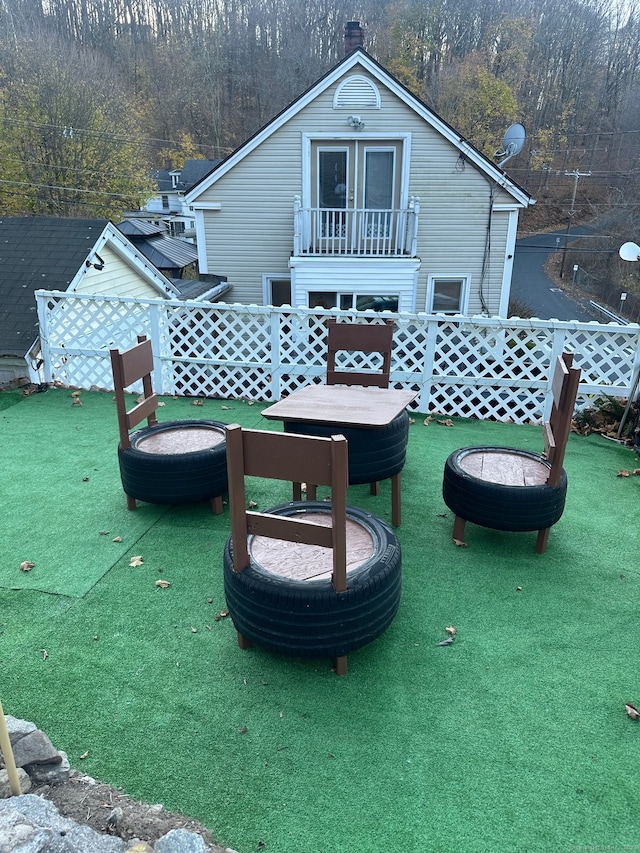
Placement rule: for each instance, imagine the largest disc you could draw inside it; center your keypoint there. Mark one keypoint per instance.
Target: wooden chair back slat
(359, 337)
(564, 389)
(128, 367)
(283, 456)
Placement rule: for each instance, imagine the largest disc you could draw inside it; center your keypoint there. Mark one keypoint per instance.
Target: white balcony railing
(362, 232)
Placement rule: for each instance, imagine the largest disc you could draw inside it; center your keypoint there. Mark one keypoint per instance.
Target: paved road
(531, 286)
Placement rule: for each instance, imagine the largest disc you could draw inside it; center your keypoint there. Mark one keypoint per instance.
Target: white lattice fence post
(43, 322)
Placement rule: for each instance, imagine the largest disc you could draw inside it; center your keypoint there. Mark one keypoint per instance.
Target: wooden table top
(369, 408)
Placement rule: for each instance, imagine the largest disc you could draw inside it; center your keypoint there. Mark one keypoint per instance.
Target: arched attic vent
(355, 93)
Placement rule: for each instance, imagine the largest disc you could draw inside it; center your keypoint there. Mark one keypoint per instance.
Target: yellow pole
(7, 752)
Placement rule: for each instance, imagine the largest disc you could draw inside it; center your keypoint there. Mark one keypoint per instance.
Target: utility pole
(575, 175)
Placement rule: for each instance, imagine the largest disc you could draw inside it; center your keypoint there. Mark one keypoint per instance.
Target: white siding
(117, 278)
(252, 233)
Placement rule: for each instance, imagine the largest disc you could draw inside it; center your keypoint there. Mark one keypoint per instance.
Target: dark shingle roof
(37, 252)
(165, 253)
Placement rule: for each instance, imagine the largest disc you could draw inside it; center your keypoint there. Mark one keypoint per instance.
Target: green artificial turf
(513, 738)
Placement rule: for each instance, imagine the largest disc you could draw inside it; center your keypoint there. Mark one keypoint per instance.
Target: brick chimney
(353, 36)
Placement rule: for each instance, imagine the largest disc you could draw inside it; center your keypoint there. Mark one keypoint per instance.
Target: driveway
(531, 285)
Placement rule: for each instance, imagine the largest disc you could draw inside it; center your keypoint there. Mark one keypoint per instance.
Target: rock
(18, 728)
(35, 748)
(50, 774)
(61, 834)
(180, 841)
(139, 847)
(18, 832)
(5, 785)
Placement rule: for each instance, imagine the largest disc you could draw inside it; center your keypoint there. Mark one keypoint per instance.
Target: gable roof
(188, 176)
(360, 57)
(52, 253)
(163, 251)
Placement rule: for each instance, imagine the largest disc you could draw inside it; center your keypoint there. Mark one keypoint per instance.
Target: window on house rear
(165, 202)
(346, 301)
(447, 294)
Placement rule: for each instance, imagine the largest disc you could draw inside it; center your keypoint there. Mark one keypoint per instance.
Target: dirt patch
(92, 803)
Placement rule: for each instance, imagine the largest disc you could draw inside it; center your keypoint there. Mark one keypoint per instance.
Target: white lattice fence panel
(478, 367)
(80, 333)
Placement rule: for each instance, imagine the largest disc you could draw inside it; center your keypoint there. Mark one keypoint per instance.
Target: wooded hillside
(94, 93)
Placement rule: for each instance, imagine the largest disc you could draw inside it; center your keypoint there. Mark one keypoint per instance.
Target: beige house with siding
(358, 195)
(87, 256)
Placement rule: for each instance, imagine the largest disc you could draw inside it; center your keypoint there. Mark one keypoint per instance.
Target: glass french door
(356, 188)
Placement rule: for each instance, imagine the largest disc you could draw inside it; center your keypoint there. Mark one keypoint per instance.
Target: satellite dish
(629, 252)
(512, 143)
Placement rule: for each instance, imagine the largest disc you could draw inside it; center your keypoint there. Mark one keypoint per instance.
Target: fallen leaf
(26, 566)
(117, 539)
(451, 630)
(76, 401)
(518, 589)
(635, 472)
(412, 420)
(224, 612)
(45, 654)
(632, 711)
(459, 543)
(448, 422)
(427, 420)
(85, 479)
(623, 473)
(197, 403)
(243, 730)
(163, 584)
(446, 642)
(76, 393)
(104, 533)
(136, 561)
(252, 504)
(161, 404)
(226, 408)
(85, 754)
(194, 630)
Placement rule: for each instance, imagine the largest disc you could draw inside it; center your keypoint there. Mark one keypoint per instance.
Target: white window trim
(406, 295)
(267, 278)
(372, 138)
(464, 296)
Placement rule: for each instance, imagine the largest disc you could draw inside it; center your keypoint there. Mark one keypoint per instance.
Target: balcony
(359, 232)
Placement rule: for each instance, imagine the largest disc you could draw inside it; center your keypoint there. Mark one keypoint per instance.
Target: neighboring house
(175, 258)
(167, 207)
(83, 255)
(359, 195)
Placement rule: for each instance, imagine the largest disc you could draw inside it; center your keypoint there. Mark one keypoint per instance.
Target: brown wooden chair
(359, 337)
(173, 462)
(291, 598)
(374, 455)
(506, 488)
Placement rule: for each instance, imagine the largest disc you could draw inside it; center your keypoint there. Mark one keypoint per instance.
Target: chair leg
(341, 665)
(217, 505)
(396, 512)
(131, 503)
(312, 492)
(297, 491)
(541, 541)
(243, 641)
(458, 528)
(374, 489)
